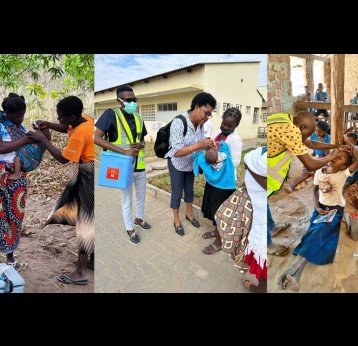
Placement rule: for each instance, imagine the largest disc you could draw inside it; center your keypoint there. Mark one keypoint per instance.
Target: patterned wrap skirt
(12, 208)
(75, 207)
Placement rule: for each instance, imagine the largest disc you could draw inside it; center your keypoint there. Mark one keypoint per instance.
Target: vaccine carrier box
(10, 280)
(115, 170)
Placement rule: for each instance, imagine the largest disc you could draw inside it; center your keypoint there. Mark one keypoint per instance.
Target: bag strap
(262, 181)
(182, 118)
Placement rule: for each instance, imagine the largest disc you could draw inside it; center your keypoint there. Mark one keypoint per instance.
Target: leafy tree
(45, 78)
(77, 69)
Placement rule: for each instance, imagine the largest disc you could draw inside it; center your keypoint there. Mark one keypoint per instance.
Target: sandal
(208, 235)
(206, 250)
(281, 251)
(16, 265)
(281, 227)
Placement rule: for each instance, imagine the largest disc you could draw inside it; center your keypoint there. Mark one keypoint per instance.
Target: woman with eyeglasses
(215, 196)
(180, 155)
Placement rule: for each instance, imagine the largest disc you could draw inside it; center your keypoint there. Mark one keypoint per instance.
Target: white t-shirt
(208, 128)
(330, 187)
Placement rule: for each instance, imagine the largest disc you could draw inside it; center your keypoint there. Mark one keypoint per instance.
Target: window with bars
(167, 106)
(148, 112)
(255, 119)
(264, 117)
(226, 106)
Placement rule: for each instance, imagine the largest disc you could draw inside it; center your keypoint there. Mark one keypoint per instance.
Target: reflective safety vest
(279, 165)
(125, 137)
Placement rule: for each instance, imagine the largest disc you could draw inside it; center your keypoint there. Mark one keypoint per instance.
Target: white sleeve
(235, 144)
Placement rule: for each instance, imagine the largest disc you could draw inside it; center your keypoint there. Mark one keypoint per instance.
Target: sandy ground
(297, 208)
(47, 251)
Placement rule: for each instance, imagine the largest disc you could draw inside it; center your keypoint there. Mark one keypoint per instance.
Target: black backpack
(161, 145)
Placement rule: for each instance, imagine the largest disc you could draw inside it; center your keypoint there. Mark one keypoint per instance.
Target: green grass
(162, 181)
(148, 150)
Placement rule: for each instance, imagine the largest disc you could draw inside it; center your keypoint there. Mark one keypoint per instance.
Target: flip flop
(281, 251)
(281, 228)
(67, 280)
(208, 235)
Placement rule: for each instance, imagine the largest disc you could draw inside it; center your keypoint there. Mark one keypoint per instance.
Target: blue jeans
(270, 225)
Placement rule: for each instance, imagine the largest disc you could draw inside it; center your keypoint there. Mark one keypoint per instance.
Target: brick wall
(279, 87)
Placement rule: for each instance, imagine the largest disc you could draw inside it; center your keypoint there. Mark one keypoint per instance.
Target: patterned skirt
(75, 206)
(12, 208)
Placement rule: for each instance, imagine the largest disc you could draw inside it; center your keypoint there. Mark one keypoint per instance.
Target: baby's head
(211, 155)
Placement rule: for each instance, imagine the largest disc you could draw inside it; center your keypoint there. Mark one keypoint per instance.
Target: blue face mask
(130, 107)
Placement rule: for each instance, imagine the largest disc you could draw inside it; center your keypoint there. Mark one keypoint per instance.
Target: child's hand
(322, 211)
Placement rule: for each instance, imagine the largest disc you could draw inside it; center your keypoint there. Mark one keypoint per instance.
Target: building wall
(235, 84)
(228, 83)
(183, 101)
(351, 77)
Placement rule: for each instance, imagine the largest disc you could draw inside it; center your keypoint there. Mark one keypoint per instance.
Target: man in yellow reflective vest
(287, 137)
(125, 131)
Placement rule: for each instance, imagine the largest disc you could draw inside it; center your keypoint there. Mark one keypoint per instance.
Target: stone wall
(279, 86)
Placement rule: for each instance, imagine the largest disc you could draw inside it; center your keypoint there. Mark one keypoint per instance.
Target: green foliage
(78, 69)
(43, 79)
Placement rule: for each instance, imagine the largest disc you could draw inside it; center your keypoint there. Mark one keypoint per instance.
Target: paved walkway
(163, 261)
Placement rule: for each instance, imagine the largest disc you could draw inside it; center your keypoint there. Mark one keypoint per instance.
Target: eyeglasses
(129, 100)
(207, 113)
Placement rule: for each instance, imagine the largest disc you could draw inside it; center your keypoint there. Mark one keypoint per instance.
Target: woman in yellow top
(76, 203)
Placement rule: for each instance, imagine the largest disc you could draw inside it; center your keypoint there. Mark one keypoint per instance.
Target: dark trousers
(180, 181)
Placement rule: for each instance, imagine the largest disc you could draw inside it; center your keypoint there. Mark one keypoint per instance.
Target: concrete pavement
(163, 261)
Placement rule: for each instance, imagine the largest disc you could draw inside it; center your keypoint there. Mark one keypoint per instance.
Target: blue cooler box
(7, 274)
(115, 170)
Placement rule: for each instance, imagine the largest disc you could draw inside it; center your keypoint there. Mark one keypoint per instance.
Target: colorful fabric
(30, 154)
(75, 206)
(12, 208)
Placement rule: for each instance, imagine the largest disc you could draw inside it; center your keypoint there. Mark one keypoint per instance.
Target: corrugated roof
(178, 69)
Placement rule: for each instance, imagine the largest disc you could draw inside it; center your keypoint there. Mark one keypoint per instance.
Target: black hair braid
(235, 113)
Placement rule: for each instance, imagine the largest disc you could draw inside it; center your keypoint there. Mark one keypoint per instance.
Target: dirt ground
(47, 251)
(297, 208)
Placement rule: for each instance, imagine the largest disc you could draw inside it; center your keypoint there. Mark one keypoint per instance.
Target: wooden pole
(337, 97)
(308, 77)
(327, 76)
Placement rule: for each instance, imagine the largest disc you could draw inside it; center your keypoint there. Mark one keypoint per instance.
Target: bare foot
(279, 228)
(14, 176)
(287, 188)
(261, 287)
(286, 281)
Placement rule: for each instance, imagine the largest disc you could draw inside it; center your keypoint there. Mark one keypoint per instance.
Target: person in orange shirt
(76, 203)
